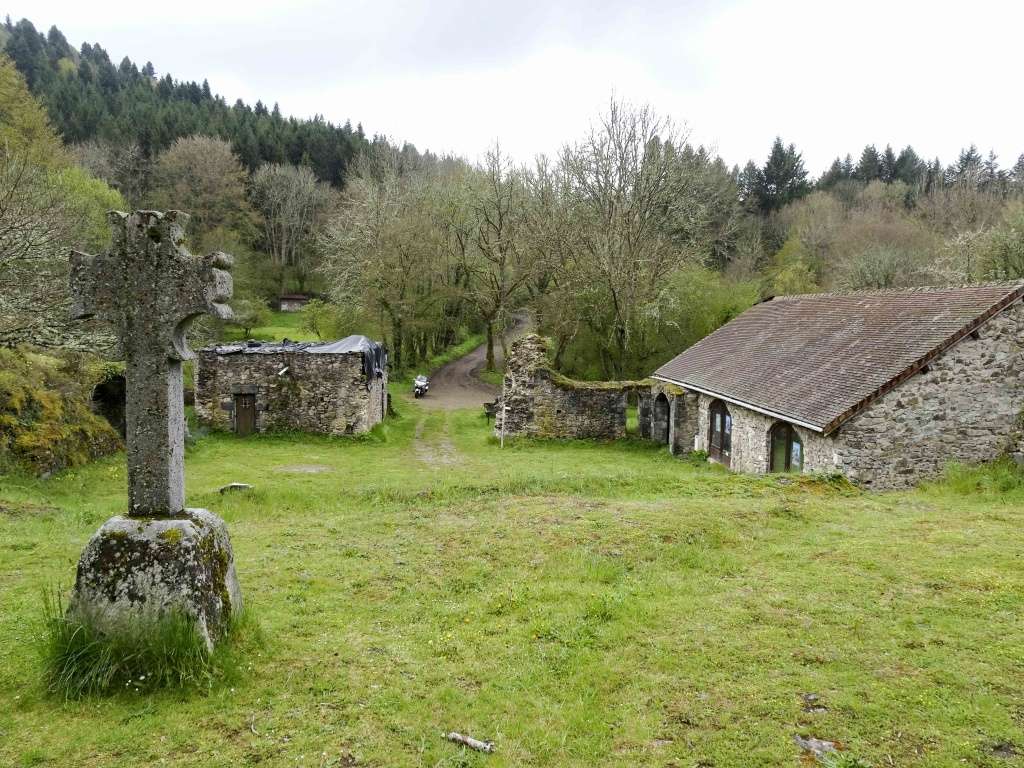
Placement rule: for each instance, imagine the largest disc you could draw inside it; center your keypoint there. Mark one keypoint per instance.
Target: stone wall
(325, 393)
(965, 408)
(539, 402)
(751, 440)
(668, 415)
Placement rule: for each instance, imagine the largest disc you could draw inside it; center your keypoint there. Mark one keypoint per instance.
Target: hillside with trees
(629, 244)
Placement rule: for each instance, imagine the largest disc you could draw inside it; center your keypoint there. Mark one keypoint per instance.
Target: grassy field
(580, 604)
(281, 325)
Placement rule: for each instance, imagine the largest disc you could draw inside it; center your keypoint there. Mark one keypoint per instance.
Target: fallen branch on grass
(469, 741)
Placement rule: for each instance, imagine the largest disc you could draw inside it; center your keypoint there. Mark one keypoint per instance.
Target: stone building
(292, 302)
(539, 402)
(885, 387)
(338, 388)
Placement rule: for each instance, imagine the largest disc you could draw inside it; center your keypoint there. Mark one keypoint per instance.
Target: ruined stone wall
(644, 415)
(322, 393)
(540, 403)
(751, 440)
(965, 408)
(678, 426)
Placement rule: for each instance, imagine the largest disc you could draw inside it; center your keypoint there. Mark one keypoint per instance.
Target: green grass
(78, 660)
(282, 325)
(497, 378)
(579, 603)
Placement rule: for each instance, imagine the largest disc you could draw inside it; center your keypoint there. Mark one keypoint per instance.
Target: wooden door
(245, 414)
(720, 437)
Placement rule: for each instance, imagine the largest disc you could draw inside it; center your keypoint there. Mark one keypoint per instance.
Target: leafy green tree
(249, 314)
(317, 318)
(201, 175)
(1003, 253)
(47, 206)
(24, 126)
(293, 205)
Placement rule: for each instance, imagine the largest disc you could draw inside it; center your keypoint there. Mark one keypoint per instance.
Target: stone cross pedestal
(161, 557)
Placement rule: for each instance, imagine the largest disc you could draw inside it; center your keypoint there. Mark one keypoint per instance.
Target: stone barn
(292, 302)
(885, 387)
(337, 388)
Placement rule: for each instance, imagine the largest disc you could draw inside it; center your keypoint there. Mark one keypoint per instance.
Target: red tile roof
(818, 359)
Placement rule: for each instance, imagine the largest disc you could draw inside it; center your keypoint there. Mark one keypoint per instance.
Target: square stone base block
(141, 569)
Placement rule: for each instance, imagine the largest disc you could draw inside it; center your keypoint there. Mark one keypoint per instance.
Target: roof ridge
(1010, 285)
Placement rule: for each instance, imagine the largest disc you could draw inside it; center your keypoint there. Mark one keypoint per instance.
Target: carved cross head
(148, 286)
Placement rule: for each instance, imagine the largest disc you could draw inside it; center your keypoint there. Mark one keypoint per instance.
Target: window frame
(789, 433)
(720, 451)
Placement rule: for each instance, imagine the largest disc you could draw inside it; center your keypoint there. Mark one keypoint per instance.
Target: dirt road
(457, 385)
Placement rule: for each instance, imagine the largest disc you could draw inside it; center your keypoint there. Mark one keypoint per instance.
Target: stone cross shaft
(149, 288)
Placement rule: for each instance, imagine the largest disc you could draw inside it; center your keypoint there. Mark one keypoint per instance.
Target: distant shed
(292, 302)
(336, 388)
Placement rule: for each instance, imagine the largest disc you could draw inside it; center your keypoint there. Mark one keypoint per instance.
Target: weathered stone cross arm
(149, 287)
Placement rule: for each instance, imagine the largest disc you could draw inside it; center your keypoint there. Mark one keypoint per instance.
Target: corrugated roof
(818, 359)
(345, 346)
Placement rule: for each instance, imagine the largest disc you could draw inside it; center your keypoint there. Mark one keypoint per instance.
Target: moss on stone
(171, 536)
(564, 382)
(46, 420)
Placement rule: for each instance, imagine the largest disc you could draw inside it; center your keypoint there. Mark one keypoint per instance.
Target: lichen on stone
(182, 564)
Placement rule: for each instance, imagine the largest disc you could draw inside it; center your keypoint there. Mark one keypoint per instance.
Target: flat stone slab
(235, 487)
(142, 569)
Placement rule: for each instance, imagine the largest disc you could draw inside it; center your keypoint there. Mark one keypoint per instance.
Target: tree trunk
(490, 346)
(501, 340)
(396, 336)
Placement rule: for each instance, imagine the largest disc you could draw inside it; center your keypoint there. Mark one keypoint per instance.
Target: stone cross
(149, 287)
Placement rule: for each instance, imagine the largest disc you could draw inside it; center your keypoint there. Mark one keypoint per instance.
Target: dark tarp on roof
(375, 355)
(820, 358)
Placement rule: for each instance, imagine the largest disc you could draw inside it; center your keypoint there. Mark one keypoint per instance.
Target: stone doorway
(660, 419)
(245, 414)
(108, 400)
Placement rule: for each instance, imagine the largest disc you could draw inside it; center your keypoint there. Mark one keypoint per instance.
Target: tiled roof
(818, 359)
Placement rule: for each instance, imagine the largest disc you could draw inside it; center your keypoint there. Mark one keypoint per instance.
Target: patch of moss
(46, 420)
(217, 558)
(171, 536)
(564, 382)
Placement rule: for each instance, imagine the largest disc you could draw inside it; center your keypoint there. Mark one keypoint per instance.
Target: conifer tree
(909, 167)
(887, 169)
(783, 178)
(870, 166)
(88, 97)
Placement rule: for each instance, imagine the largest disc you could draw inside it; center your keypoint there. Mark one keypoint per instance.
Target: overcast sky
(455, 75)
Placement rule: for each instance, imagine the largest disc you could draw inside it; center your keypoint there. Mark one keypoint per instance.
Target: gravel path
(457, 384)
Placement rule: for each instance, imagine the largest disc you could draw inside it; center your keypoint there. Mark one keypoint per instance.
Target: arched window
(787, 453)
(720, 437)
